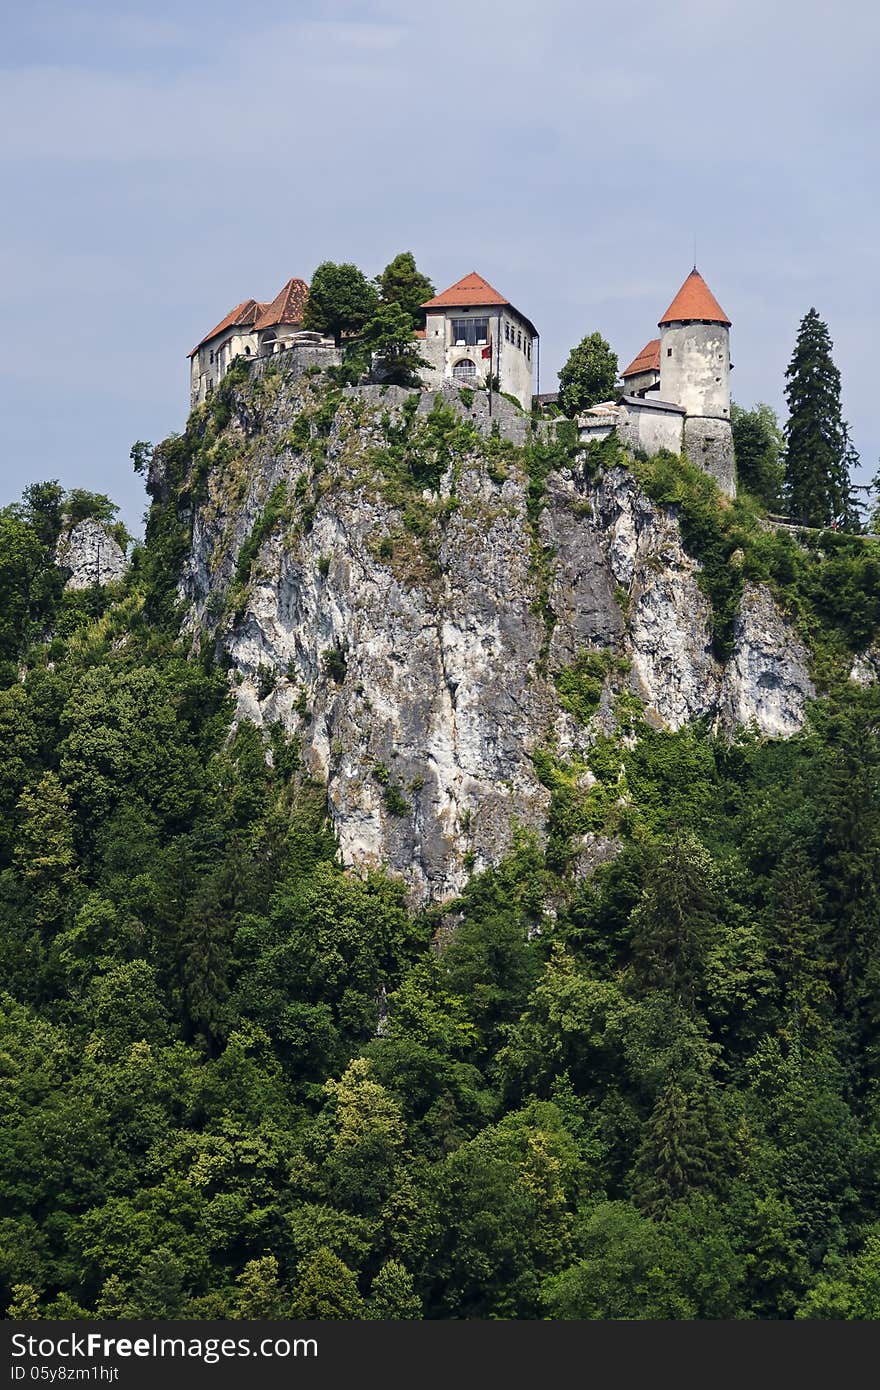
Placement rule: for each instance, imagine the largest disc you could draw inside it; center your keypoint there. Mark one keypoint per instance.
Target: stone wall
(651, 428)
(709, 443)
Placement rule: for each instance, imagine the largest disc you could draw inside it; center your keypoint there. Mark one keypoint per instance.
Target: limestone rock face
(417, 672)
(766, 682)
(866, 667)
(90, 555)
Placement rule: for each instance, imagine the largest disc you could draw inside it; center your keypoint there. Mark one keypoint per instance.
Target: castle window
(211, 355)
(669, 352)
(247, 351)
(518, 338)
(469, 332)
(507, 330)
(464, 369)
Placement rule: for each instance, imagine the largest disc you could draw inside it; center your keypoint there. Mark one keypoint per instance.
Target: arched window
(464, 369)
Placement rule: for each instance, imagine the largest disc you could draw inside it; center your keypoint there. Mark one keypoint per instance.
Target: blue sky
(161, 162)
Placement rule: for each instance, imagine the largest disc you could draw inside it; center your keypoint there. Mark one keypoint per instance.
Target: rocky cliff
(89, 555)
(441, 606)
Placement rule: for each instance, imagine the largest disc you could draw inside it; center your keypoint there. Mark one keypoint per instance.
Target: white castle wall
(695, 368)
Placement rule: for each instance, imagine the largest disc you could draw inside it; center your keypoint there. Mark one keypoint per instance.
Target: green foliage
(141, 454)
(580, 685)
(80, 504)
(390, 336)
(758, 446)
(241, 1082)
(275, 513)
(829, 583)
(402, 283)
(589, 375)
(341, 300)
(818, 455)
(394, 801)
(335, 664)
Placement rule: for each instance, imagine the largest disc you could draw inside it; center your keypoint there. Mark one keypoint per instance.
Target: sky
(161, 162)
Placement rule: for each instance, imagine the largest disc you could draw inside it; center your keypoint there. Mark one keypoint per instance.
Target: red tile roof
(472, 289)
(474, 292)
(694, 301)
(648, 360)
(244, 313)
(287, 306)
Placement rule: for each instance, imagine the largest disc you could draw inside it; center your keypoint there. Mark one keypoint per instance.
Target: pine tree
(401, 282)
(673, 924)
(683, 1143)
(818, 451)
(392, 1296)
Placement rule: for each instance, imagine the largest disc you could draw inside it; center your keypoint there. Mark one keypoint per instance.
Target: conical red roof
(694, 301)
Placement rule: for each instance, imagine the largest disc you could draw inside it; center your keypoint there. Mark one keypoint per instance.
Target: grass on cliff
(826, 582)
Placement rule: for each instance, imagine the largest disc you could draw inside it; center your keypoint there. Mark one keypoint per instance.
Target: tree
(44, 506)
(259, 1292)
(758, 445)
(847, 1288)
(327, 1288)
(683, 1143)
(589, 375)
(627, 1270)
(81, 504)
(389, 336)
(21, 559)
(141, 455)
(44, 848)
(401, 282)
(341, 300)
(673, 925)
(818, 453)
(392, 1296)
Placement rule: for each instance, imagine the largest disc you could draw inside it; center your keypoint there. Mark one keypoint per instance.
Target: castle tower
(695, 351)
(695, 374)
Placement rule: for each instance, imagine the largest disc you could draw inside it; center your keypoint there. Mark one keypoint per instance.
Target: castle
(676, 391)
(251, 329)
(471, 332)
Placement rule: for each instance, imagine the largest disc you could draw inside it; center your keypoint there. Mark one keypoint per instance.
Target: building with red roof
(472, 332)
(252, 329)
(643, 373)
(676, 391)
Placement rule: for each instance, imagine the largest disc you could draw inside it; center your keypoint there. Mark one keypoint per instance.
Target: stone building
(251, 329)
(677, 389)
(643, 373)
(471, 331)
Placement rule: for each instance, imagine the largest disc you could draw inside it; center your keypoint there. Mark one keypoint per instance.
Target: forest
(241, 1082)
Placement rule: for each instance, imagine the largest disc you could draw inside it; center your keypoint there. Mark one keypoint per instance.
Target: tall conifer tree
(818, 453)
